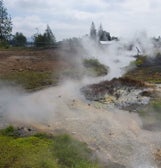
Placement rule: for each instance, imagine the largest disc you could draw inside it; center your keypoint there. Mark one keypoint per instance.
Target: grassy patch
(153, 109)
(141, 60)
(151, 115)
(74, 73)
(149, 74)
(156, 105)
(147, 68)
(9, 131)
(94, 67)
(43, 151)
(31, 79)
(71, 153)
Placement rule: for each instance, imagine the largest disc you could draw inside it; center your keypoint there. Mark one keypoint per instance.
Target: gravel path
(114, 135)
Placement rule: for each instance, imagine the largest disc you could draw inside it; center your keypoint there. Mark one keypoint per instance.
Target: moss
(43, 151)
(25, 152)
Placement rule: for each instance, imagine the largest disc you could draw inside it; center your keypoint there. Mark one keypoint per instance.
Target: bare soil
(115, 135)
(29, 59)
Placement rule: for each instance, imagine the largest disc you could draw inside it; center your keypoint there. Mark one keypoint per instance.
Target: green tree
(49, 37)
(19, 40)
(45, 40)
(93, 33)
(39, 40)
(100, 32)
(5, 24)
(103, 35)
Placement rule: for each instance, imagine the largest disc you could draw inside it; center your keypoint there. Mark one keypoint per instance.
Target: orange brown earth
(31, 60)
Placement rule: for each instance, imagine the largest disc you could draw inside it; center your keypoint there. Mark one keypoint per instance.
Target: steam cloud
(114, 134)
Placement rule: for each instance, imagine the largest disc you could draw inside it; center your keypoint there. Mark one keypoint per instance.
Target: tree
(45, 40)
(100, 32)
(93, 33)
(39, 40)
(105, 36)
(49, 37)
(5, 23)
(19, 40)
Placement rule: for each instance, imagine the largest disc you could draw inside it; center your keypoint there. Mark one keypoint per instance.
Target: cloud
(27, 24)
(120, 17)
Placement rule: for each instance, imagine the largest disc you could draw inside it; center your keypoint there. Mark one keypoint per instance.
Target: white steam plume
(117, 55)
(113, 134)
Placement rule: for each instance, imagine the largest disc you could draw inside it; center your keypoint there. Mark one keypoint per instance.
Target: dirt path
(113, 134)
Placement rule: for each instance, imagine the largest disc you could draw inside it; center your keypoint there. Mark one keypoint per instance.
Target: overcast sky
(72, 18)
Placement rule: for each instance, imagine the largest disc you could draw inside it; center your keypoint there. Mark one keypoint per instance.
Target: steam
(113, 134)
(39, 106)
(114, 55)
(118, 55)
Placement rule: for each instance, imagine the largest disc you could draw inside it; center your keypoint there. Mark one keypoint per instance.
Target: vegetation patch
(43, 151)
(73, 73)
(94, 67)
(141, 60)
(71, 153)
(156, 105)
(150, 114)
(147, 69)
(31, 79)
(148, 74)
(9, 131)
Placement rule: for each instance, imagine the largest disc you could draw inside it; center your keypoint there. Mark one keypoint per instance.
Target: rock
(122, 92)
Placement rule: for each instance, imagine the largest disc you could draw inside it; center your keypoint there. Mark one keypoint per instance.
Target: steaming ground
(114, 135)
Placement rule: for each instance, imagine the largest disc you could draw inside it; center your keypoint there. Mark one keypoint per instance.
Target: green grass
(147, 69)
(148, 74)
(153, 109)
(156, 105)
(74, 73)
(31, 79)
(94, 67)
(9, 131)
(141, 60)
(42, 151)
(70, 152)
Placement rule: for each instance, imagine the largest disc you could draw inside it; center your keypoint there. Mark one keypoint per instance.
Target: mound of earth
(122, 92)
